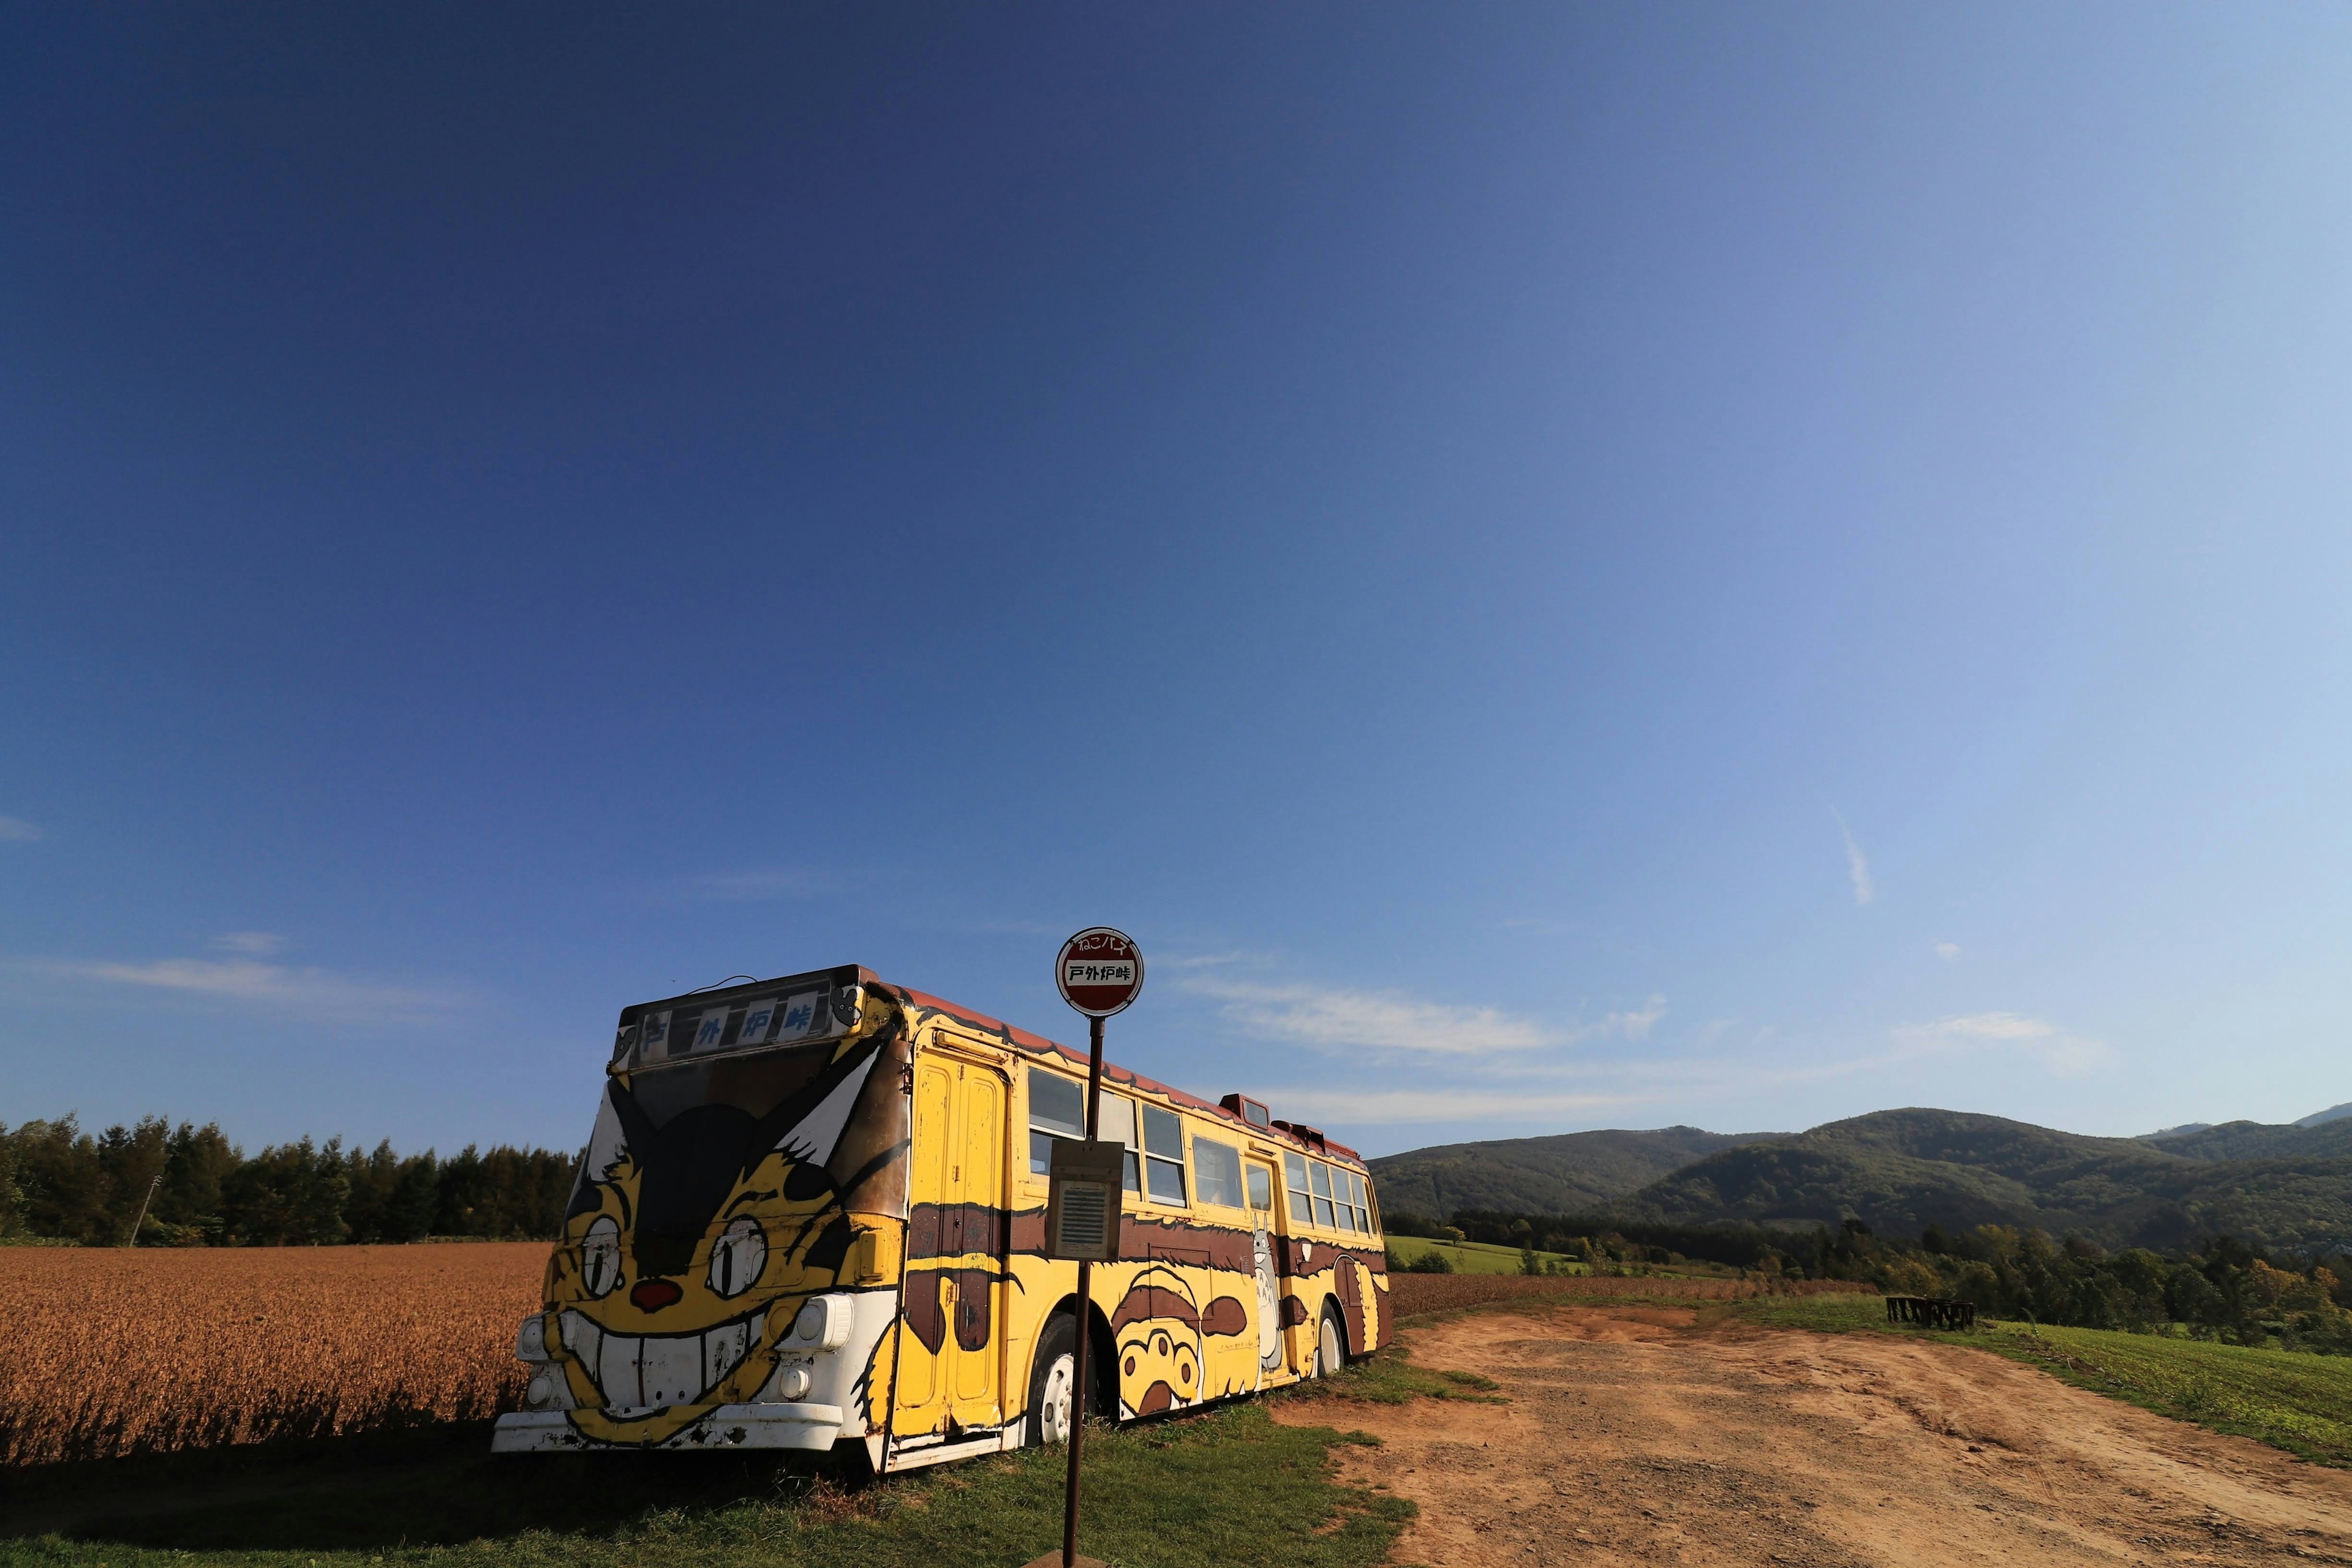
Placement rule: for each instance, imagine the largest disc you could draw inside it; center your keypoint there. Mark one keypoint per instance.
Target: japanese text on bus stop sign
(1099, 970)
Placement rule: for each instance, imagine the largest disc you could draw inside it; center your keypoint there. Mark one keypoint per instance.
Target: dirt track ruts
(1635, 1435)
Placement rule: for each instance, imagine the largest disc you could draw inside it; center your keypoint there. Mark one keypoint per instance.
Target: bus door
(957, 1216)
(1265, 1239)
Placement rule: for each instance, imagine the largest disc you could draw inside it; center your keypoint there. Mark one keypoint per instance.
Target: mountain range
(1899, 1170)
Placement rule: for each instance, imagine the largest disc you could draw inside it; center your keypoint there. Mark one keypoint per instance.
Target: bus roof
(1015, 1038)
(1037, 1044)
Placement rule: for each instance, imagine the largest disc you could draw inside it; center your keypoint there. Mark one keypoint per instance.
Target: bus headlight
(530, 1340)
(823, 1325)
(547, 1391)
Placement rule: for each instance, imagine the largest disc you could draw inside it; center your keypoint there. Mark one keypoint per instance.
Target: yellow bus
(811, 1215)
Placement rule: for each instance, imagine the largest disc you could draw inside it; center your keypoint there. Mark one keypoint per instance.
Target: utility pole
(143, 1209)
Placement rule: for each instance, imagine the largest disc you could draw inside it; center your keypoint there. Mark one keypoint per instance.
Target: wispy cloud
(1332, 1019)
(1950, 951)
(1329, 1107)
(258, 943)
(16, 830)
(753, 886)
(1857, 864)
(1517, 1087)
(307, 993)
(2058, 1052)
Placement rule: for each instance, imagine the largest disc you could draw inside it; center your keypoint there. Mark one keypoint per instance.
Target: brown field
(116, 1351)
(123, 1351)
(1412, 1293)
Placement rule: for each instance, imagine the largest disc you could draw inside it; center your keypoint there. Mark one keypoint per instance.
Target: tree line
(59, 1183)
(2223, 1289)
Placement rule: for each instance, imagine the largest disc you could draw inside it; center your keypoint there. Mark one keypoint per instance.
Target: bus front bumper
(814, 1427)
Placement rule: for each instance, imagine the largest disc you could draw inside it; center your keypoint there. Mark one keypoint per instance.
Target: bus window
(1355, 1196)
(1302, 1206)
(1217, 1172)
(1163, 1156)
(1260, 1188)
(1058, 1108)
(1320, 1174)
(1117, 1126)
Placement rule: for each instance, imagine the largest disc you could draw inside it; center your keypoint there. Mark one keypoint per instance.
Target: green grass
(2289, 1399)
(1390, 1377)
(1224, 1487)
(1475, 1257)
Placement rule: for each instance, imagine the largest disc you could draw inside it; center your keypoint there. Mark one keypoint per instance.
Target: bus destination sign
(1099, 972)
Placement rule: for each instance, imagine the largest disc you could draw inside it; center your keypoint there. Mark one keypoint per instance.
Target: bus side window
(1058, 1108)
(1163, 1156)
(1260, 1188)
(1363, 1219)
(1294, 1175)
(1320, 1174)
(1217, 1172)
(1117, 1126)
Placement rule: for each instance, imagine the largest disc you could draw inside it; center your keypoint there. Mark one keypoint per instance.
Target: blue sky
(1556, 567)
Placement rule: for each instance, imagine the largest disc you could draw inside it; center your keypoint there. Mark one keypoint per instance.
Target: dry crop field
(124, 1351)
(119, 1351)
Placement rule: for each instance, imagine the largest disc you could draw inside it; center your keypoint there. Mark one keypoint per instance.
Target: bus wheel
(1052, 1383)
(1331, 1347)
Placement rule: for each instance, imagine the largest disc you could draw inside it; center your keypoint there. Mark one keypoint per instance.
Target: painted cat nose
(653, 1295)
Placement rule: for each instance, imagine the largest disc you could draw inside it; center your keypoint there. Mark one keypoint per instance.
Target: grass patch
(1475, 1257)
(2289, 1399)
(1389, 1377)
(1227, 1487)
(1825, 1314)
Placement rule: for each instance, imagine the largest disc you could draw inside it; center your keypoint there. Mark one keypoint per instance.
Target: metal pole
(1086, 1297)
(142, 1207)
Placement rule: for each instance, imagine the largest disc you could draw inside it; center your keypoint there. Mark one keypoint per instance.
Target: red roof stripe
(1039, 1046)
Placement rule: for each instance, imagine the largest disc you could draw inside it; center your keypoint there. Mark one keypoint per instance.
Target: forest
(186, 1185)
(2221, 1289)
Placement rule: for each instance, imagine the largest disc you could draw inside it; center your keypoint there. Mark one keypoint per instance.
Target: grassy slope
(1898, 1170)
(2300, 1402)
(1568, 1172)
(1471, 1257)
(1224, 1488)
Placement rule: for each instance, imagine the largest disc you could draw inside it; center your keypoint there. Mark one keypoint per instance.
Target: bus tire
(1330, 1344)
(1053, 1382)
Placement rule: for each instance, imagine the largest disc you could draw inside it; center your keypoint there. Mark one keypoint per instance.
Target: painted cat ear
(809, 1123)
(638, 1129)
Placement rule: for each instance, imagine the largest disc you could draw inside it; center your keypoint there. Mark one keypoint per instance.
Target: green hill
(1898, 1171)
(1568, 1172)
(2261, 1140)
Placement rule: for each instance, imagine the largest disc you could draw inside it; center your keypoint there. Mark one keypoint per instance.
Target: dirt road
(1635, 1435)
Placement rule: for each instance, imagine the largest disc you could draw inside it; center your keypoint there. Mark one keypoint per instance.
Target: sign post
(1099, 972)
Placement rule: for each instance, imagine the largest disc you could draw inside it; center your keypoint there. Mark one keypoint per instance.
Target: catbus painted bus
(811, 1215)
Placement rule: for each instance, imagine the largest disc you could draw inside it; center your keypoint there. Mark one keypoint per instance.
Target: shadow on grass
(438, 1486)
(1217, 1486)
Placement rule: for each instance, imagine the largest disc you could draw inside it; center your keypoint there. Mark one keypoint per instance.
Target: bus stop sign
(1099, 972)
